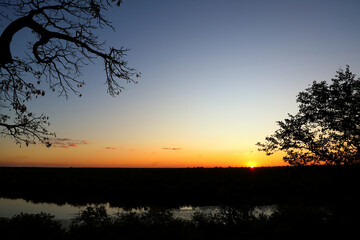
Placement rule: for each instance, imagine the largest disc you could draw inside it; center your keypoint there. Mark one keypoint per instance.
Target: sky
(216, 76)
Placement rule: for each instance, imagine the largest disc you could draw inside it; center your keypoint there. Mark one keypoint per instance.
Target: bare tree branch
(66, 41)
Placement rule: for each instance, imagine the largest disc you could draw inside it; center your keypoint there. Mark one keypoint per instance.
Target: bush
(288, 222)
(31, 226)
(92, 223)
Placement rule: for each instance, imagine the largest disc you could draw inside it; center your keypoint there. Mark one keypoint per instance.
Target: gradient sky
(216, 76)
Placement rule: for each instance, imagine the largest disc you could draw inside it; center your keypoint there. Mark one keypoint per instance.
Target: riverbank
(288, 222)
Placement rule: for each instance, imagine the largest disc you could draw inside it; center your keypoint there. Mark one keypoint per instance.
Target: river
(11, 207)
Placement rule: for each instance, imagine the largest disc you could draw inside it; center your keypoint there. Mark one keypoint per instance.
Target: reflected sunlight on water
(11, 207)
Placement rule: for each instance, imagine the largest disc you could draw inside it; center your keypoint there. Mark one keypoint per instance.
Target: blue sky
(216, 76)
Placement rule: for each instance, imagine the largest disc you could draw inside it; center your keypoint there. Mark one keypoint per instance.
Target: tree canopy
(65, 40)
(326, 129)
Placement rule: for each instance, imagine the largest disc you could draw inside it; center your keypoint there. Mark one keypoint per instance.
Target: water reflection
(11, 207)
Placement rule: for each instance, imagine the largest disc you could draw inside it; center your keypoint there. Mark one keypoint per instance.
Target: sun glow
(251, 164)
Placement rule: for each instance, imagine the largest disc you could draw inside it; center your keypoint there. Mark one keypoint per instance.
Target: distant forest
(316, 185)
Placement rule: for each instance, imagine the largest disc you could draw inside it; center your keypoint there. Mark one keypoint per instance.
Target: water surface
(11, 207)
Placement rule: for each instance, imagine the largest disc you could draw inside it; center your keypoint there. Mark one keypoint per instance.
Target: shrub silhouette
(31, 226)
(239, 222)
(92, 223)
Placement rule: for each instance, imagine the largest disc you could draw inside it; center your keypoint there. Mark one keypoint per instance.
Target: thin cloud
(67, 142)
(110, 148)
(63, 146)
(62, 139)
(174, 149)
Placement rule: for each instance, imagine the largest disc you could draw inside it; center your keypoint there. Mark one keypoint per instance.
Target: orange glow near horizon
(210, 88)
(96, 155)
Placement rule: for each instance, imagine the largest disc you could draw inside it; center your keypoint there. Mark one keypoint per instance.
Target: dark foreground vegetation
(230, 223)
(318, 185)
(319, 202)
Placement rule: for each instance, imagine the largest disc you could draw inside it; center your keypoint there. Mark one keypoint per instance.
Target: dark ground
(320, 185)
(312, 202)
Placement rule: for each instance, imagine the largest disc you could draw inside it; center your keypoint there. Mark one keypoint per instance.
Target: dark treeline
(318, 185)
(230, 223)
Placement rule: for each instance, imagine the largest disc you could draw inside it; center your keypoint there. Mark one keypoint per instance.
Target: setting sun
(251, 164)
(179, 119)
(180, 114)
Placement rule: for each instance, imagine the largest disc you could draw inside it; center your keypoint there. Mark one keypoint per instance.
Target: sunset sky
(216, 76)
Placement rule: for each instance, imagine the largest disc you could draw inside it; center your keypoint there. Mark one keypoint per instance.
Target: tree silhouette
(326, 130)
(65, 41)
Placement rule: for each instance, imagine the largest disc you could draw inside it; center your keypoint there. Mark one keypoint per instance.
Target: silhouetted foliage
(288, 222)
(313, 202)
(92, 217)
(92, 223)
(65, 41)
(326, 130)
(31, 226)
